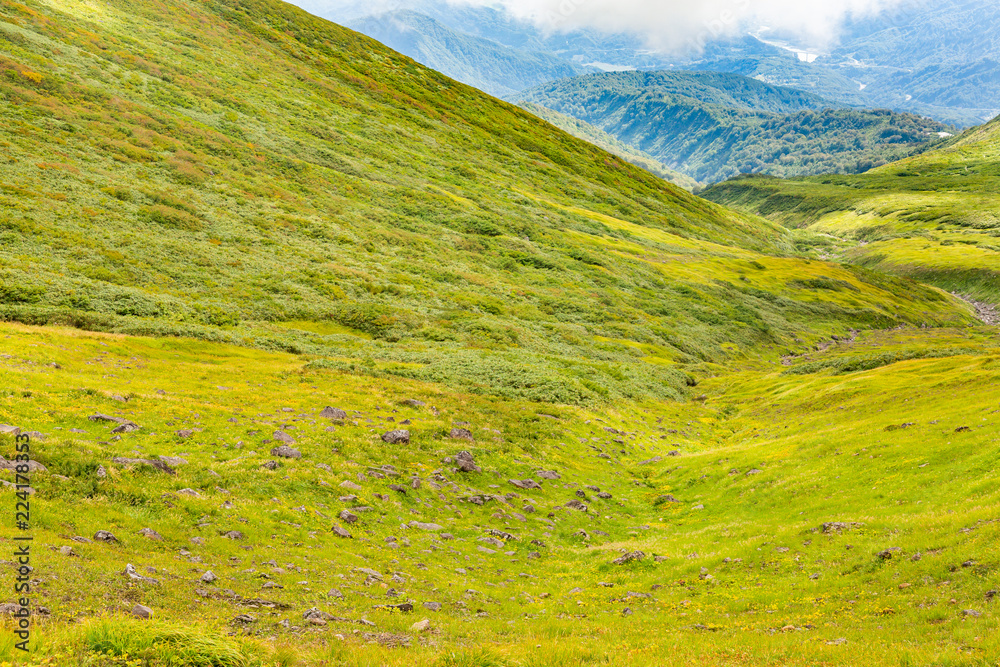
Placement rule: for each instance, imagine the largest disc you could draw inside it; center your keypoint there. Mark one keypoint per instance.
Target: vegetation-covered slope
(688, 443)
(293, 185)
(598, 137)
(712, 126)
(933, 217)
(479, 62)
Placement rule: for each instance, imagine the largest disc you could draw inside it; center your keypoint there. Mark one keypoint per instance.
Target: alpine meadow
(313, 356)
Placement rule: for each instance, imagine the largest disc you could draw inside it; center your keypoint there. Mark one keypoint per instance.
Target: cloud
(679, 24)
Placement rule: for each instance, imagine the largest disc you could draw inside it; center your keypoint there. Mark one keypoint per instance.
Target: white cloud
(683, 23)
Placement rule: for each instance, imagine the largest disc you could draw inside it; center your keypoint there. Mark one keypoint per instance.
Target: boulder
(281, 436)
(139, 611)
(466, 463)
(286, 452)
(397, 437)
(333, 413)
(460, 434)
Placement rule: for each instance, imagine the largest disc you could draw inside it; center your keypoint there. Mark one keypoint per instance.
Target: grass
(805, 435)
(219, 218)
(930, 217)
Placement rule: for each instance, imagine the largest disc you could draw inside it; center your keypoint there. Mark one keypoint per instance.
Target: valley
(326, 358)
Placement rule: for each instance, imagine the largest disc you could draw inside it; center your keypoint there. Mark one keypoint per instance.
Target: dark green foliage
(711, 126)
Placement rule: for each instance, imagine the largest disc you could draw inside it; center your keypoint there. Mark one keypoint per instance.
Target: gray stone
(333, 413)
(286, 452)
(281, 436)
(139, 611)
(151, 534)
(397, 437)
(460, 434)
(466, 463)
(631, 556)
(104, 536)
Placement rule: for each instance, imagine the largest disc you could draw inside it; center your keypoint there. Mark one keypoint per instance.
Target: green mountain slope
(690, 442)
(428, 226)
(479, 62)
(602, 139)
(932, 217)
(712, 126)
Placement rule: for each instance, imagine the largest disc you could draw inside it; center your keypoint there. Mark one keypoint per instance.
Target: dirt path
(986, 312)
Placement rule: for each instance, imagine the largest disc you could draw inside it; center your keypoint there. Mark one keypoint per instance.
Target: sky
(667, 24)
(678, 22)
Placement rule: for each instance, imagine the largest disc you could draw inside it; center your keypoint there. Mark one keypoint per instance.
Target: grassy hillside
(318, 193)
(487, 65)
(713, 126)
(931, 217)
(578, 416)
(600, 138)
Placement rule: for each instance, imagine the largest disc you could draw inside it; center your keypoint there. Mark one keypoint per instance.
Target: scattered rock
(127, 427)
(333, 413)
(525, 483)
(971, 612)
(348, 517)
(838, 526)
(286, 452)
(667, 498)
(655, 459)
(460, 434)
(281, 436)
(397, 437)
(104, 536)
(629, 557)
(421, 626)
(173, 461)
(340, 532)
(131, 573)
(152, 463)
(139, 611)
(209, 577)
(466, 463)
(151, 534)
(886, 554)
(548, 474)
(432, 606)
(234, 535)
(576, 505)
(414, 403)
(270, 465)
(350, 486)
(425, 526)
(184, 434)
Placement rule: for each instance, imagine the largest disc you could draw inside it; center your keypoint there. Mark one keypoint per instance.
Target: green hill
(602, 139)
(931, 217)
(712, 126)
(576, 415)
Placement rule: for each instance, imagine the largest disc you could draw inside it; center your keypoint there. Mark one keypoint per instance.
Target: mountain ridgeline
(712, 126)
(479, 62)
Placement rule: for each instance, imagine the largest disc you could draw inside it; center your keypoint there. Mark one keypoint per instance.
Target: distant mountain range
(711, 126)
(485, 64)
(940, 59)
